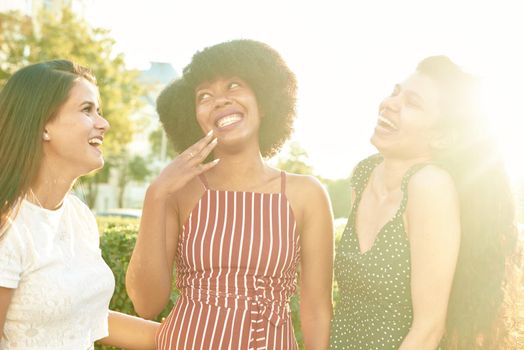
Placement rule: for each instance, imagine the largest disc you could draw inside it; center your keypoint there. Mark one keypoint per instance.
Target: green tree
(25, 40)
(339, 193)
(134, 169)
(160, 145)
(295, 160)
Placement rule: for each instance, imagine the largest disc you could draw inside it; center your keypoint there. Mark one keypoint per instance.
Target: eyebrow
(90, 103)
(202, 86)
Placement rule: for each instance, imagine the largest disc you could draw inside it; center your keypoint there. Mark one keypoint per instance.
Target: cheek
(201, 119)
(414, 121)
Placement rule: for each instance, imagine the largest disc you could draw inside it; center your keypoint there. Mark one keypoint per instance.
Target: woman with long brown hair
(54, 285)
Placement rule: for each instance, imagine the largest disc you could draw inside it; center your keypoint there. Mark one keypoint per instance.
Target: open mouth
(228, 120)
(96, 141)
(386, 124)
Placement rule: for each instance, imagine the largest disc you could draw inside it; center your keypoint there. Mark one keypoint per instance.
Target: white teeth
(95, 141)
(228, 120)
(387, 122)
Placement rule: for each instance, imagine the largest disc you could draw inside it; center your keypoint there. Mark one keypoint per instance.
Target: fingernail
(210, 132)
(216, 160)
(215, 140)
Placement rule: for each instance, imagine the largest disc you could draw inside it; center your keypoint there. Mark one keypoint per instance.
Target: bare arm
(5, 299)
(130, 332)
(316, 276)
(433, 225)
(149, 275)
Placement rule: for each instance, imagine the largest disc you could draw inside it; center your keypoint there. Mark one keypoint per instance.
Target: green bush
(117, 242)
(107, 222)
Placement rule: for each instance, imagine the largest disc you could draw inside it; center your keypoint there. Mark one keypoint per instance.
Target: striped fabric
(236, 266)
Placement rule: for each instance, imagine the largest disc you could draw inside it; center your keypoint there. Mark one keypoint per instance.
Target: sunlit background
(347, 56)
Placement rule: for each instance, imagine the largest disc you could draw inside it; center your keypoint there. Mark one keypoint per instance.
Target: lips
(96, 141)
(386, 123)
(228, 119)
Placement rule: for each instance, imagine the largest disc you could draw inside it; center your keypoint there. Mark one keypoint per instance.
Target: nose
(102, 123)
(391, 104)
(222, 100)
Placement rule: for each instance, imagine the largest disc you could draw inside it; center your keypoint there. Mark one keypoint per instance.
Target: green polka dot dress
(373, 309)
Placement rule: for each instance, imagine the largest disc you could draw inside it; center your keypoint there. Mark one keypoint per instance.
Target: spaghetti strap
(203, 179)
(283, 182)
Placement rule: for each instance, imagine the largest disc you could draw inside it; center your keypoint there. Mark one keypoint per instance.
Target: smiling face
(405, 125)
(72, 139)
(229, 108)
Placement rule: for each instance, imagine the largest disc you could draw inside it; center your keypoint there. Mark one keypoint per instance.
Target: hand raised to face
(187, 165)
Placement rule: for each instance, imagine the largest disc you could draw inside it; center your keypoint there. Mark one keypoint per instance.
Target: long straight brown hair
(30, 99)
(481, 310)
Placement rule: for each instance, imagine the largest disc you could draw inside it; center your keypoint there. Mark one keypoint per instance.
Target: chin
(375, 141)
(94, 166)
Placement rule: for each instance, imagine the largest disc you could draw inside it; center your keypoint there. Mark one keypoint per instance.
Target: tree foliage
(339, 193)
(295, 160)
(161, 148)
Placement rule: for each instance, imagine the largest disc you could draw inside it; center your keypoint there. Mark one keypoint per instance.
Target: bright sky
(347, 56)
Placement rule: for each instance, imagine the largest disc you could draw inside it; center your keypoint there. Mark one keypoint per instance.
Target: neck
(50, 188)
(390, 173)
(239, 169)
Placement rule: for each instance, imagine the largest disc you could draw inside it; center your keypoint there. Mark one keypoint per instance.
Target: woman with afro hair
(237, 228)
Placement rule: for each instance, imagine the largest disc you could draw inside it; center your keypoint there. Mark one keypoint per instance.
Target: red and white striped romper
(236, 266)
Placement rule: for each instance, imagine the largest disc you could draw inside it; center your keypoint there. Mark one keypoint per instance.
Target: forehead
(83, 91)
(217, 81)
(423, 86)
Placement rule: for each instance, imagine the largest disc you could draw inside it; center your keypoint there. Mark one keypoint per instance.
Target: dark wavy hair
(481, 312)
(259, 65)
(29, 100)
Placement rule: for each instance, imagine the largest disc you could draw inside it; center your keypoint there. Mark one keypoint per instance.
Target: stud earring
(45, 136)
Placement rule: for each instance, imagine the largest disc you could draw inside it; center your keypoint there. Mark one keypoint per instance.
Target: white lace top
(62, 284)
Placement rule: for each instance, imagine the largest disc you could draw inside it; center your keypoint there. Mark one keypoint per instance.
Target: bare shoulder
(429, 179)
(431, 189)
(303, 186)
(306, 194)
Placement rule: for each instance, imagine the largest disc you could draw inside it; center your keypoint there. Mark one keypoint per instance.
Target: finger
(201, 168)
(206, 150)
(200, 144)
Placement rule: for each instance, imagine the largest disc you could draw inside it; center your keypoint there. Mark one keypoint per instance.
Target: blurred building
(32, 7)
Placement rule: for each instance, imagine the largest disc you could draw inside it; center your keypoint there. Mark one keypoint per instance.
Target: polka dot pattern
(373, 310)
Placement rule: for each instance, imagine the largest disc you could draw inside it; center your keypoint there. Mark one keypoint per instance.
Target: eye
(395, 92)
(412, 103)
(203, 96)
(233, 85)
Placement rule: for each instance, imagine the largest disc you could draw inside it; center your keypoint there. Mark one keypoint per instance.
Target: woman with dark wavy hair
(424, 259)
(238, 229)
(55, 287)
